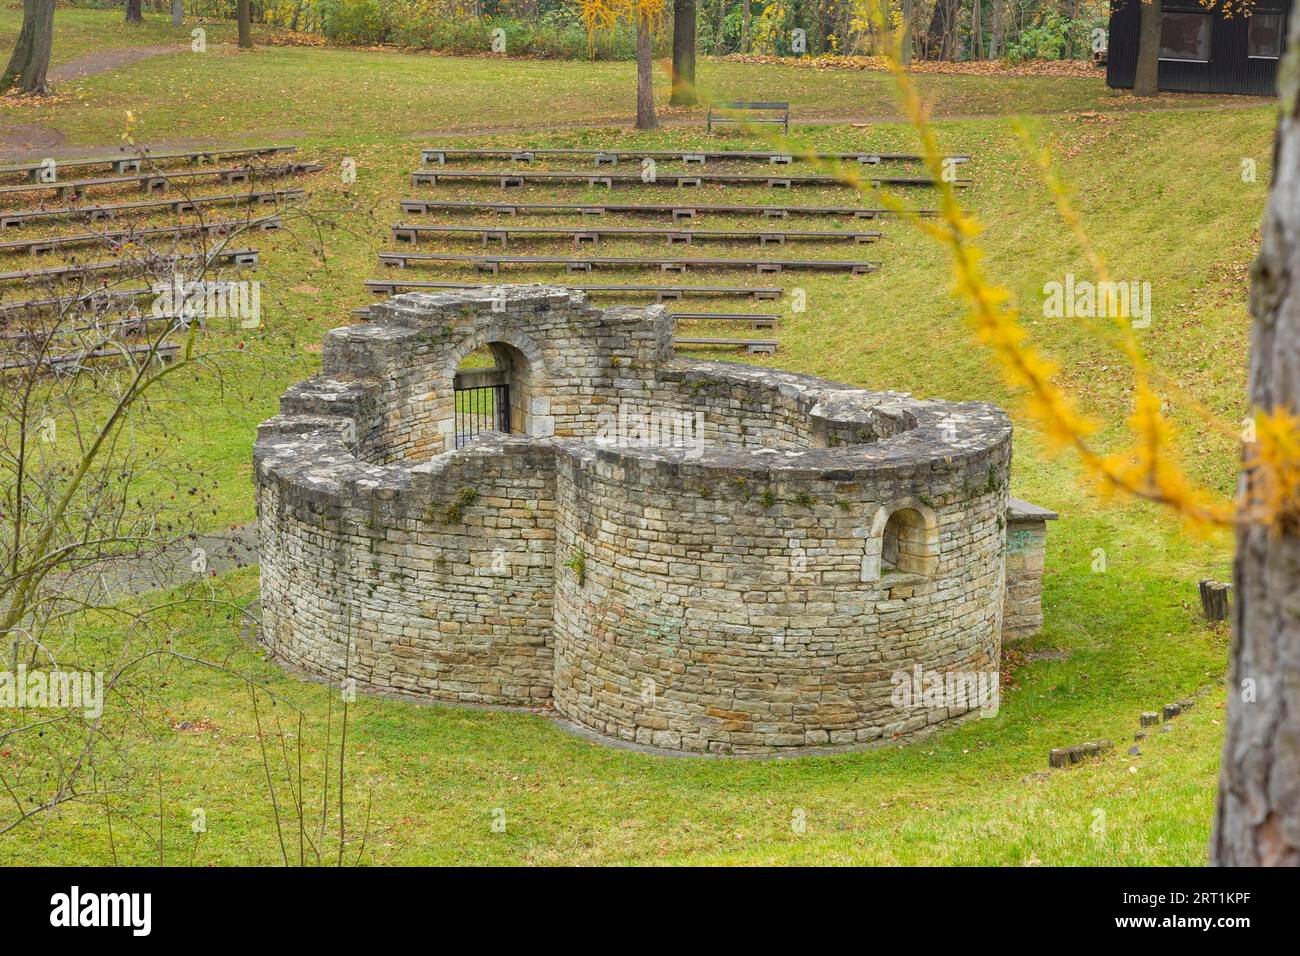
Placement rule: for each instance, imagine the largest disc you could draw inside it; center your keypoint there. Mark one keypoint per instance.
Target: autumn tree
(30, 61)
(244, 13)
(1258, 816)
(605, 15)
(135, 11)
(1145, 81)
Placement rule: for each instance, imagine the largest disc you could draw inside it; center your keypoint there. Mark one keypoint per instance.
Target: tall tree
(30, 60)
(134, 11)
(684, 54)
(244, 12)
(645, 95)
(941, 38)
(1145, 81)
(1258, 815)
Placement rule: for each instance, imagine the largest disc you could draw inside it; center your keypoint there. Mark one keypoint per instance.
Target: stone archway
(516, 376)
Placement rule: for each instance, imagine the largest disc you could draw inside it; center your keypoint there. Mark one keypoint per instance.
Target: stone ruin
(692, 556)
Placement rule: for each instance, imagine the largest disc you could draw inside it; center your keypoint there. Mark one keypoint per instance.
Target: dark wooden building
(1202, 51)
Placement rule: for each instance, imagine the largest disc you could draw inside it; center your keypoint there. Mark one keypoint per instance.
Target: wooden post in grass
(1214, 600)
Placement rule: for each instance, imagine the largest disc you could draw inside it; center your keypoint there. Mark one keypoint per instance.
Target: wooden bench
(239, 257)
(748, 113)
(151, 182)
(410, 232)
(752, 346)
(662, 293)
(756, 320)
(111, 210)
(574, 264)
(121, 236)
(612, 157)
(677, 211)
(784, 181)
(73, 361)
(93, 299)
(129, 161)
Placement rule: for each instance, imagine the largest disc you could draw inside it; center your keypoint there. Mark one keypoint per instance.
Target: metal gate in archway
(481, 408)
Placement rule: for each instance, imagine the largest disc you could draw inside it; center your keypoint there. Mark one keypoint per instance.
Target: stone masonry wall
(755, 592)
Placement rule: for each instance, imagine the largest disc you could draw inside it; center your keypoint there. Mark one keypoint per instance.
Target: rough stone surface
(753, 592)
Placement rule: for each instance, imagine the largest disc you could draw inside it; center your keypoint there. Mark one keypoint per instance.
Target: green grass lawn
(1163, 197)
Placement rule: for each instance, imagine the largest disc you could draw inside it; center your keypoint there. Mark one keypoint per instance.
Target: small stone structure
(690, 555)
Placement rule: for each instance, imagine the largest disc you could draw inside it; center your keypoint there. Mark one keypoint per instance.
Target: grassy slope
(967, 796)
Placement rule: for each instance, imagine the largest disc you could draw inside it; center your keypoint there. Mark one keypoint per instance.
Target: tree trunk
(31, 57)
(745, 17)
(684, 54)
(1148, 65)
(722, 27)
(905, 44)
(245, 14)
(1258, 818)
(134, 13)
(645, 96)
(940, 39)
(977, 31)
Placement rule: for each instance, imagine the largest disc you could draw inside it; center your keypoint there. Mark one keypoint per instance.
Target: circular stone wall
(755, 589)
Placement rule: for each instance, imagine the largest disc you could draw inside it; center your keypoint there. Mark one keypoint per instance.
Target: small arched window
(903, 539)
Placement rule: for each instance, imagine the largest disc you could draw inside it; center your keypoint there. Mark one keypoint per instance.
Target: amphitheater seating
(611, 157)
(152, 181)
(574, 264)
(92, 299)
(748, 113)
(677, 211)
(130, 161)
(410, 232)
(120, 236)
(512, 179)
(16, 217)
(662, 293)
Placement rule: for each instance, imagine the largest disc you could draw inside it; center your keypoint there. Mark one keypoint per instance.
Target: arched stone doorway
(497, 387)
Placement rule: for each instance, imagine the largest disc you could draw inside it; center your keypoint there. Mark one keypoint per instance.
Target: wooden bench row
(493, 264)
(93, 299)
(787, 181)
(239, 257)
(17, 217)
(752, 346)
(662, 293)
(612, 157)
(151, 182)
(756, 320)
(130, 162)
(411, 232)
(74, 360)
(677, 211)
(119, 237)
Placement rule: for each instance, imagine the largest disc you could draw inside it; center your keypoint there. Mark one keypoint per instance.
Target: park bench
(510, 180)
(150, 182)
(130, 161)
(662, 293)
(677, 211)
(17, 217)
(239, 257)
(612, 157)
(493, 264)
(748, 113)
(752, 346)
(410, 232)
(119, 237)
(74, 360)
(133, 324)
(757, 320)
